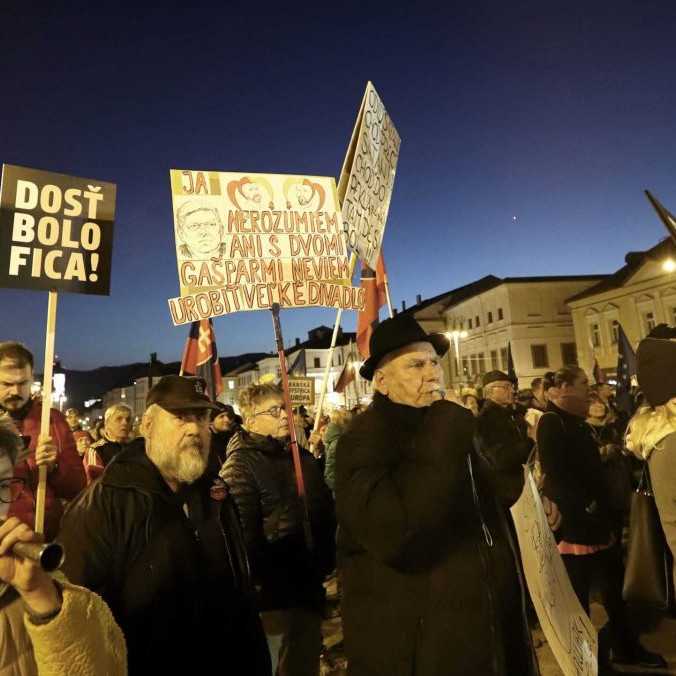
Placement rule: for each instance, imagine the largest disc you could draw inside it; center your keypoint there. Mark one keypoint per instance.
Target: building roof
(634, 260)
(319, 338)
(463, 293)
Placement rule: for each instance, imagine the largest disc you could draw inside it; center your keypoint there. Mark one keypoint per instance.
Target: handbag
(648, 577)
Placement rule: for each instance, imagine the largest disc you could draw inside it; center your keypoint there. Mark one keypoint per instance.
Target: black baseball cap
(495, 377)
(175, 393)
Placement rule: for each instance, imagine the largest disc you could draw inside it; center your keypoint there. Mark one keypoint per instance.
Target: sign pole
(46, 407)
(329, 359)
(300, 484)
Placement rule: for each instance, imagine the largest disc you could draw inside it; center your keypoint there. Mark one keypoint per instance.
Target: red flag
(374, 285)
(200, 356)
(347, 375)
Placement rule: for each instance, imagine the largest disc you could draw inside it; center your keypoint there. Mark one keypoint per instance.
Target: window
(465, 367)
(500, 315)
(231, 384)
(503, 358)
(340, 359)
(648, 321)
(614, 331)
(456, 367)
(569, 354)
(490, 317)
(477, 321)
(595, 335)
(481, 363)
(469, 323)
(539, 355)
(494, 359)
(318, 363)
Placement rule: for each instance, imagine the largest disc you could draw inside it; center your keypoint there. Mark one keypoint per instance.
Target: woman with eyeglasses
(260, 475)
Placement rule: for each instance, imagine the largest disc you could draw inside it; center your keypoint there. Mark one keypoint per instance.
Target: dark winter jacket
(260, 476)
(504, 441)
(574, 477)
(220, 441)
(177, 585)
(431, 586)
(64, 481)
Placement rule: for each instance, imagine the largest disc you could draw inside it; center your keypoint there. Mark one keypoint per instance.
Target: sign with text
(371, 161)
(246, 241)
(56, 231)
(302, 391)
(567, 628)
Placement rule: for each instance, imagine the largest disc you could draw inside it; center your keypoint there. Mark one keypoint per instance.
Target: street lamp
(669, 265)
(455, 336)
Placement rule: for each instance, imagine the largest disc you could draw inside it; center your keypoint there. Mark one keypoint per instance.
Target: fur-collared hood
(649, 427)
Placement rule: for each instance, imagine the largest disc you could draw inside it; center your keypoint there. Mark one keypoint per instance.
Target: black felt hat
(175, 393)
(395, 333)
(656, 365)
(495, 377)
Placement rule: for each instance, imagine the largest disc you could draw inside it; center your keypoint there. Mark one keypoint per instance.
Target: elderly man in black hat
(503, 435)
(431, 585)
(163, 546)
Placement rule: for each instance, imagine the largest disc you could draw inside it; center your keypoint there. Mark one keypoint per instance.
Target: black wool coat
(172, 568)
(260, 476)
(431, 586)
(504, 442)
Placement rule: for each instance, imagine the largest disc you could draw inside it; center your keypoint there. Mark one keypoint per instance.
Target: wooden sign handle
(46, 407)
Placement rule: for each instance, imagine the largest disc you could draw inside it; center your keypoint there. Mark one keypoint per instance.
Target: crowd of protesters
(188, 542)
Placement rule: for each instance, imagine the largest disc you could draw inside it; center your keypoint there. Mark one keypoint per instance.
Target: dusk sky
(529, 131)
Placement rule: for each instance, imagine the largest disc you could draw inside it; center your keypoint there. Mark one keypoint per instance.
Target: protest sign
(367, 178)
(56, 231)
(302, 391)
(247, 241)
(567, 628)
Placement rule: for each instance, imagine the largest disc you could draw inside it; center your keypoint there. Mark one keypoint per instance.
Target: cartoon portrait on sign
(251, 193)
(303, 194)
(199, 230)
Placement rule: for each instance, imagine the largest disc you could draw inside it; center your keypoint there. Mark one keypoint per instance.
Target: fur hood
(649, 427)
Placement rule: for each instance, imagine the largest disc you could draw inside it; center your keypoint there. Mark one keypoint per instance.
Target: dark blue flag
(511, 371)
(626, 368)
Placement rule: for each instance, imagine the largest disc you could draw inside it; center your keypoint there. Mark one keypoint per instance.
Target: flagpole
(298, 469)
(387, 296)
(329, 360)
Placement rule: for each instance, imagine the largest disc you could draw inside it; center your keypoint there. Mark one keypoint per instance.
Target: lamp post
(455, 336)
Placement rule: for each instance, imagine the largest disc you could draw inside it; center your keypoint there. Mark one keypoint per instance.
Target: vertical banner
(56, 231)
(248, 241)
(568, 630)
(366, 190)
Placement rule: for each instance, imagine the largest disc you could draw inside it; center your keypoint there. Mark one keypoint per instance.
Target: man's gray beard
(181, 464)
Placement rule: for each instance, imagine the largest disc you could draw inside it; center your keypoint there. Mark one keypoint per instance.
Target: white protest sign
(371, 161)
(246, 241)
(568, 630)
(302, 391)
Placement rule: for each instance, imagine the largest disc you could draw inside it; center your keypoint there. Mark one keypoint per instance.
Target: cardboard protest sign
(568, 630)
(246, 241)
(302, 391)
(367, 177)
(56, 231)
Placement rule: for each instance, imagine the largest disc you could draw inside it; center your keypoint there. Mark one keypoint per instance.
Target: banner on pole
(56, 231)
(567, 628)
(371, 161)
(302, 391)
(246, 241)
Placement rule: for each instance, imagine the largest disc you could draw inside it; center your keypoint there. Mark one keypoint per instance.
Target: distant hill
(84, 385)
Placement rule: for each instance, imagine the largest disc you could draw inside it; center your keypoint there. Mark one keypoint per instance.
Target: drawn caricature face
(252, 192)
(202, 232)
(304, 194)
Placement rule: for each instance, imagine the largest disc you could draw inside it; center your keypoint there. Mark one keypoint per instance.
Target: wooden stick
(298, 469)
(46, 407)
(329, 360)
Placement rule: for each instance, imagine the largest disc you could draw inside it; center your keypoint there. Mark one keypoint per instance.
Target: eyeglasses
(273, 412)
(11, 489)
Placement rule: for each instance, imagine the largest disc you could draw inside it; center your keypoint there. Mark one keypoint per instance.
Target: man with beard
(162, 545)
(430, 581)
(56, 452)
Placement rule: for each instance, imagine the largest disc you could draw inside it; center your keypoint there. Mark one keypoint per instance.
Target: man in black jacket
(503, 434)
(162, 545)
(260, 476)
(431, 585)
